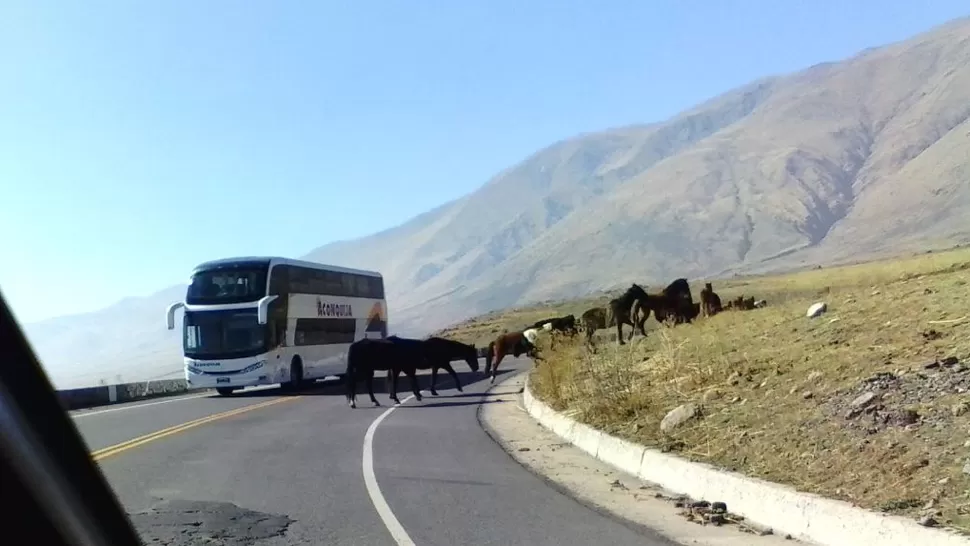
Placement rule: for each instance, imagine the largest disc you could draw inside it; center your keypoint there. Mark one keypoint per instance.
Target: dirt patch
(908, 400)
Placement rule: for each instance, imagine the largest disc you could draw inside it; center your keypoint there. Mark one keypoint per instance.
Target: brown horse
(621, 308)
(710, 301)
(595, 319)
(514, 343)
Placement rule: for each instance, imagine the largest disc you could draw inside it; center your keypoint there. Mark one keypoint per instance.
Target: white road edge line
(134, 406)
(394, 526)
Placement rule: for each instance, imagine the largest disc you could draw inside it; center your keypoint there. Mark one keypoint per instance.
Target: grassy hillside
(869, 403)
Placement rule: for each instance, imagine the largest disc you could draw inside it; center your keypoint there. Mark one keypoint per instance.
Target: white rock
(678, 416)
(816, 309)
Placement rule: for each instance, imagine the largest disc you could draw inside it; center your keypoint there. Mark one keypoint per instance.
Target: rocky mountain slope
(840, 161)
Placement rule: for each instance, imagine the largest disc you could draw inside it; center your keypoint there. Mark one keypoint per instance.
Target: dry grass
(481, 330)
(774, 385)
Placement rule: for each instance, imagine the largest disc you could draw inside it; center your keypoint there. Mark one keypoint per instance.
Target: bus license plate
(222, 380)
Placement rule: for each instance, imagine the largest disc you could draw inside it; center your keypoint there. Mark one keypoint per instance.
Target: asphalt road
(268, 468)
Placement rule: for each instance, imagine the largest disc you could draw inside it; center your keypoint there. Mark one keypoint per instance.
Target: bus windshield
(223, 334)
(226, 286)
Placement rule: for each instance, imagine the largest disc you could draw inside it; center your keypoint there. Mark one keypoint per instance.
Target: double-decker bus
(268, 320)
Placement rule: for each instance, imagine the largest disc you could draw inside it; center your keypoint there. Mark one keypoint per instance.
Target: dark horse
(439, 353)
(673, 303)
(621, 308)
(679, 318)
(566, 324)
(514, 343)
(367, 355)
(679, 302)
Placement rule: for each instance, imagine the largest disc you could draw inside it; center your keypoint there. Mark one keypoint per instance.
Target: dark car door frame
(50, 488)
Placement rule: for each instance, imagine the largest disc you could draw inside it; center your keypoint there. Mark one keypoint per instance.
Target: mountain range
(841, 161)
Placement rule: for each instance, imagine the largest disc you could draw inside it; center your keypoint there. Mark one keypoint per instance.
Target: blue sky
(138, 139)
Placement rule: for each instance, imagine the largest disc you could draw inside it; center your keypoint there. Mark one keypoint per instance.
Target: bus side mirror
(262, 310)
(170, 314)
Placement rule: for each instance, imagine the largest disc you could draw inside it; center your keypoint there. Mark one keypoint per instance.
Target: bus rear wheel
(225, 391)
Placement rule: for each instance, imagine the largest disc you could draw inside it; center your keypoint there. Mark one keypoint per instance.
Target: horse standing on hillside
(367, 355)
(678, 297)
(621, 308)
(741, 303)
(681, 317)
(514, 343)
(565, 324)
(710, 301)
(595, 319)
(439, 352)
(673, 303)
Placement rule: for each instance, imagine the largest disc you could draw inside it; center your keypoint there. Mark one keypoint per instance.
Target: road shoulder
(594, 483)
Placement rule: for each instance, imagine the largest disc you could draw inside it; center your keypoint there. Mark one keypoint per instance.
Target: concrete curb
(89, 397)
(805, 516)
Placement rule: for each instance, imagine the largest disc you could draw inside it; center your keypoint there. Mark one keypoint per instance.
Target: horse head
(637, 291)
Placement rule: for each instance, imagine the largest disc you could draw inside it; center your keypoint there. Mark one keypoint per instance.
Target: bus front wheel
(296, 375)
(225, 391)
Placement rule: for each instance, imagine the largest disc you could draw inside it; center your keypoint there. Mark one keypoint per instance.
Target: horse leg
(413, 376)
(454, 376)
(489, 355)
(642, 319)
(370, 387)
(434, 380)
(351, 380)
(393, 389)
(619, 331)
(500, 354)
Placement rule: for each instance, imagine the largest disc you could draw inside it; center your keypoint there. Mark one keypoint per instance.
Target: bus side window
(362, 289)
(332, 283)
(348, 288)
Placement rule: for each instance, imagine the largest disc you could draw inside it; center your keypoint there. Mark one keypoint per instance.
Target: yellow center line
(102, 453)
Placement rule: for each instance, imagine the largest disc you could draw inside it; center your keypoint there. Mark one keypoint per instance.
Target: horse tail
(489, 355)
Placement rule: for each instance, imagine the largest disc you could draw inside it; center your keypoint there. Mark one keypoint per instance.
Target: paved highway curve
(434, 477)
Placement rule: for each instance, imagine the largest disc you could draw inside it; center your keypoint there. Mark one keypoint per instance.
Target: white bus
(263, 321)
